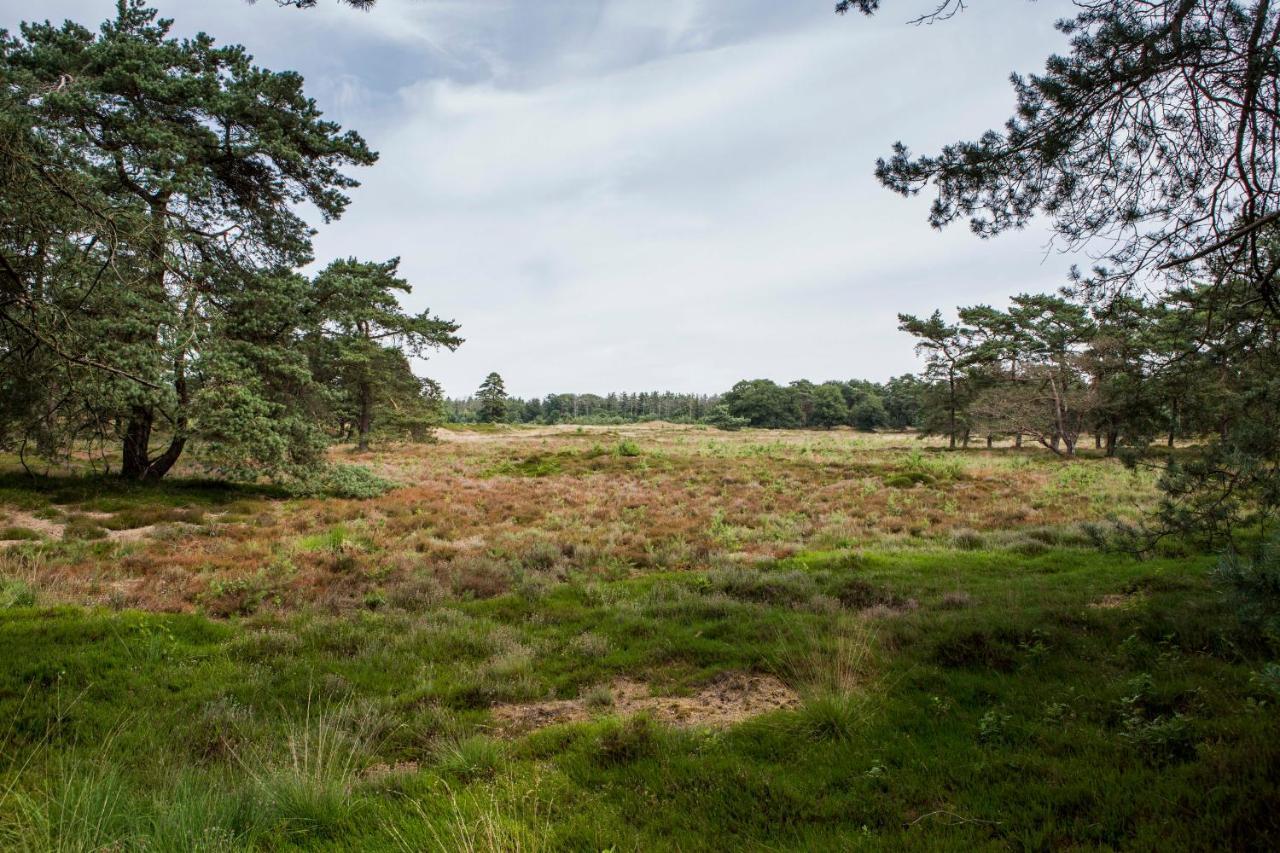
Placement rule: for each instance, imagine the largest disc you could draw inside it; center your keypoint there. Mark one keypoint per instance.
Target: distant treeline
(612, 408)
(755, 402)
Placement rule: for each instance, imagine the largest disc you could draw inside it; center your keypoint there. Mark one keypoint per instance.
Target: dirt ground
(728, 699)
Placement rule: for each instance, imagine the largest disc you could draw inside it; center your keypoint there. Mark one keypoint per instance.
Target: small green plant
(598, 697)
(993, 727)
(470, 758)
(16, 593)
(628, 448)
(831, 716)
(624, 741)
(1159, 733)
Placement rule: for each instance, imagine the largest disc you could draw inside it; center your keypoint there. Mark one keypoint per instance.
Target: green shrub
(19, 534)
(340, 481)
(626, 447)
(993, 727)
(1252, 588)
(1154, 725)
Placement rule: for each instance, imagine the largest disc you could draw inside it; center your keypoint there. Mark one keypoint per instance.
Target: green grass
(990, 705)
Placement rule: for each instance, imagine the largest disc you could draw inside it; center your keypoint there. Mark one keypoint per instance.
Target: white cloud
(669, 194)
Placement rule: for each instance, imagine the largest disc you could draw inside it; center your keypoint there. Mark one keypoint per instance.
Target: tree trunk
(951, 412)
(990, 439)
(137, 463)
(1112, 436)
(137, 442)
(366, 416)
(1017, 440)
(1097, 441)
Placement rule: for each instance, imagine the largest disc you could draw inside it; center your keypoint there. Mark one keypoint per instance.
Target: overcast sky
(652, 194)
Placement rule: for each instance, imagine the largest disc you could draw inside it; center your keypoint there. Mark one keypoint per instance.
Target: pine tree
(493, 400)
(149, 242)
(361, 316)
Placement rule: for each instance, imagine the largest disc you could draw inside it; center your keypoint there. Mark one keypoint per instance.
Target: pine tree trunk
(366, 416)
(137, 442)
(137, 463)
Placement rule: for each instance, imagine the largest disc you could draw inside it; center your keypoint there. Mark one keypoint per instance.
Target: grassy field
(631, 638)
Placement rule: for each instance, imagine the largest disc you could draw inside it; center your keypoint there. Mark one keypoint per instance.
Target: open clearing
(645, 637)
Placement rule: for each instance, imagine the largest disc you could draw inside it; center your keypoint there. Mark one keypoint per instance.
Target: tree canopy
(368, 335)
(1154, 137)
(149, 250)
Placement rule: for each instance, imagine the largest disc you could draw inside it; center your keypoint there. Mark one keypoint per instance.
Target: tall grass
(832, 672)
(308, 782)
(505, 817)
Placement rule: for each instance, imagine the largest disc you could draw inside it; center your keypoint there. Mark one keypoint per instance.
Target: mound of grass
(537, 465)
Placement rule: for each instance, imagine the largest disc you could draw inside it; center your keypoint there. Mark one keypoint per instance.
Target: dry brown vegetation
(483, 512)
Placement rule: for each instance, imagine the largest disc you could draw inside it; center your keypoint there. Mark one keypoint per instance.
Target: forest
(266, 583)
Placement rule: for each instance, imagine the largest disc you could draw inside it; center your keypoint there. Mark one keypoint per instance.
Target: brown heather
(481, 512)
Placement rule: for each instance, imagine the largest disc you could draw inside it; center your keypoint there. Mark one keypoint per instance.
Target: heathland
(641, 637)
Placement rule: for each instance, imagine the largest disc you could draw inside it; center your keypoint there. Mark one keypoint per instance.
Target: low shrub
(340, 481)
(967, 540)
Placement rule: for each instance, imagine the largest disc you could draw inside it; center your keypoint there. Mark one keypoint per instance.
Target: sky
(625, 195)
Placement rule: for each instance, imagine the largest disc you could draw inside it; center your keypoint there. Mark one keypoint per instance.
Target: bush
(340, 481)
(629, 448)
(967, 540)
(721, 418)
(1252, 589)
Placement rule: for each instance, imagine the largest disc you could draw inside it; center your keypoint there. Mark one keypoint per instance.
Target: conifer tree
(492, 396)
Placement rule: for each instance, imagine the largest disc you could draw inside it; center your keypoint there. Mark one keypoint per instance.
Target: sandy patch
(1117, 601)
(728, 699)
(16, 518)
(132, 534)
